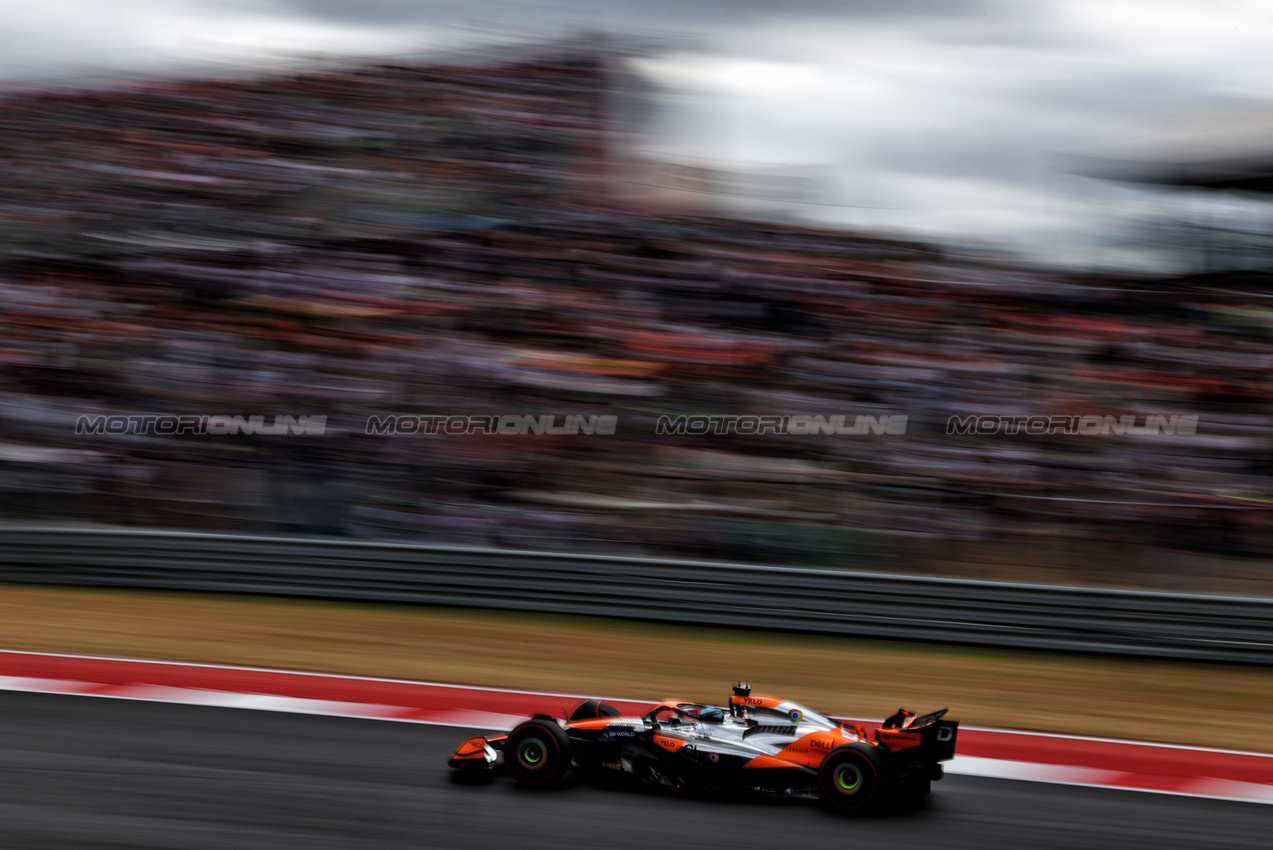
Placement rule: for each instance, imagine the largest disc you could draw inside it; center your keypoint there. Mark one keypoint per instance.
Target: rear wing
(932, 734)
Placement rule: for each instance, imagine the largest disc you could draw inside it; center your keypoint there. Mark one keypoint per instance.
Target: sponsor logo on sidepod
(669, 744)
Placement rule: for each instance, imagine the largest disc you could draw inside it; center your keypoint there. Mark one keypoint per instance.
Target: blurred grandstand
(450, 238)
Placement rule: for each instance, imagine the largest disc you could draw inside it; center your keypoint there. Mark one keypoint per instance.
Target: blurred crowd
(422, 240)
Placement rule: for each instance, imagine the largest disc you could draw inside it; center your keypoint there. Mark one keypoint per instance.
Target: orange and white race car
(756, 744)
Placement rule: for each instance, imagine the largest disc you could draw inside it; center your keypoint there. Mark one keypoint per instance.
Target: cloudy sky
(939, 117)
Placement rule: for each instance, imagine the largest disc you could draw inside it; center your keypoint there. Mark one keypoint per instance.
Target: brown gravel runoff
(1212, 705)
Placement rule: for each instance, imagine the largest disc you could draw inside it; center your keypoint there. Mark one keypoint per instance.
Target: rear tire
(850, 778)
(537, 753)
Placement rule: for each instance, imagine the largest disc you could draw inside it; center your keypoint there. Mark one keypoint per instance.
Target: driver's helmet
(711, 715)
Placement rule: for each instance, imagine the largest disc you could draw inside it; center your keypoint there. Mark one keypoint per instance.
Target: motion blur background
(875, 209)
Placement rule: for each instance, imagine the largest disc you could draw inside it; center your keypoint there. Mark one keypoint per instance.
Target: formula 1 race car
(756, 744)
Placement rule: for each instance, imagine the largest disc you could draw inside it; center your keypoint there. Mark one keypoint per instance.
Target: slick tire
(850, 779)
(537, 753)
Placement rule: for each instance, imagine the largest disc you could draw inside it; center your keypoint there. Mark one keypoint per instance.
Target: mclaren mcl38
(754, 745)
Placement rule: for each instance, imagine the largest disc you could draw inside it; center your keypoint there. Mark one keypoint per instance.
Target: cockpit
(687, 714)
(765, 712)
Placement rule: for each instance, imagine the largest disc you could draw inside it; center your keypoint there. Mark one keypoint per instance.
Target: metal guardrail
(1164, 625)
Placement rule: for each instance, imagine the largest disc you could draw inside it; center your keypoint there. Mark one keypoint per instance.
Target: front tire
(850, 779)
(537, 753)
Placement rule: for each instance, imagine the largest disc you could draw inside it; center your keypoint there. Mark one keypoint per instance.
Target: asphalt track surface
(80, 773)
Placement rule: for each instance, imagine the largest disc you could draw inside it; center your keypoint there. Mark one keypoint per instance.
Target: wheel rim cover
(532, 752)
(848, 778)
